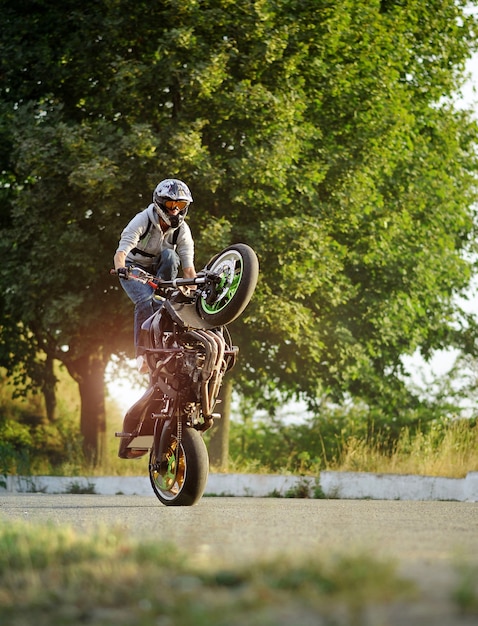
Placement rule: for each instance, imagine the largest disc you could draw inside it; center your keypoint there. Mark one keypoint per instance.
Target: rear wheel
(180, 477)
(237, 269)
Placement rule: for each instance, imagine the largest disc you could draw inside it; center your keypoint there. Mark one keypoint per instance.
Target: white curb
(361, 485)
(338, 485)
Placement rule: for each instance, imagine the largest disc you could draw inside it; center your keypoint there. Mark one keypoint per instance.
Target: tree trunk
(219, 439)
(49, 388)
(89, 373)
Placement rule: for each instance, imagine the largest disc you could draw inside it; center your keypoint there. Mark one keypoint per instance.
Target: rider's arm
(185, 250)
(119, 259)
(130, 236)
(189, 272)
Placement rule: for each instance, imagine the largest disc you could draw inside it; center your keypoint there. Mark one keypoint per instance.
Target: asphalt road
(426, 539)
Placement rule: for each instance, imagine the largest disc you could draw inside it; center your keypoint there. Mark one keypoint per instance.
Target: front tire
(238, 270)
(180, 478)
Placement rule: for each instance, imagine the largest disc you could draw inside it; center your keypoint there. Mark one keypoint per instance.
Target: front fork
(165, 430)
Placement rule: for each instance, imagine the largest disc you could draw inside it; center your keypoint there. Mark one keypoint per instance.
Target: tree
(385, 243)
(321, 133)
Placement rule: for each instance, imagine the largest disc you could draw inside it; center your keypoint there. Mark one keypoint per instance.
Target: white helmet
(174, 190)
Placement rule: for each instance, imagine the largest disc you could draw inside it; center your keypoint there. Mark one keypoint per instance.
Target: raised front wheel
(237, 271)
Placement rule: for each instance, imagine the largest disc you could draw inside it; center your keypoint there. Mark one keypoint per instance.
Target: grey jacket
(144, 235)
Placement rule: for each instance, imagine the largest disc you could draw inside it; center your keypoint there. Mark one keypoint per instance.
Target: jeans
(142, 295)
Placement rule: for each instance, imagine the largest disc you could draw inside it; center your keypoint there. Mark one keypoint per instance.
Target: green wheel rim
(227, 287)
(168, 479)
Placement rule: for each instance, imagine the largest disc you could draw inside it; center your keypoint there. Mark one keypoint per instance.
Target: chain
(180, 435)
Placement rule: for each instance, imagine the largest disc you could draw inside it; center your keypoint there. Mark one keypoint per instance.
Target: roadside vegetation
(55, 575)
(442, 447)
(335, 440)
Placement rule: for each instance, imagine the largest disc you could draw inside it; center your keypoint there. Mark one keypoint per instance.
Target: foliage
(345, 441)
(465, 594)
(338, 439)
(32, 445)
(40, 449)
(447, 449)
(53, 575)
(321, 133)
(77, 488)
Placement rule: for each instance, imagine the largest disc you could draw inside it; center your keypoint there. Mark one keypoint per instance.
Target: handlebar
(140, 275)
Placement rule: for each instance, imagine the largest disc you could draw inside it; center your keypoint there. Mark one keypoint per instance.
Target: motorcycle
(188, 349)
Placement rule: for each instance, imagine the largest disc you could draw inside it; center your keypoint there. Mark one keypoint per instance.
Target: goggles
(171, 205)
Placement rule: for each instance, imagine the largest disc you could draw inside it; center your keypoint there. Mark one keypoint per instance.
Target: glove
(122, 273)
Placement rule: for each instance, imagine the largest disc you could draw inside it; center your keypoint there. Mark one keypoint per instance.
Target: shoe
(141, 364)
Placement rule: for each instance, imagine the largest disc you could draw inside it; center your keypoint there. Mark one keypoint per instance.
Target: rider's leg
(141, 295)
(168, 265)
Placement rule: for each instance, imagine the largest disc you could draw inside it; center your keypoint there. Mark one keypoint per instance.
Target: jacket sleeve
(185, 246)
(133, 231)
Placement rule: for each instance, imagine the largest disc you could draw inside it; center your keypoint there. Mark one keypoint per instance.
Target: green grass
(447, 448)
(56, 575)
(451, 451)
(465, 593)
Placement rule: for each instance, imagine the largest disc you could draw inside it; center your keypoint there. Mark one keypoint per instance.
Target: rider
(157, 240)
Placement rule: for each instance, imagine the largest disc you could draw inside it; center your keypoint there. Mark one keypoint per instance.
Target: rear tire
(181, 481)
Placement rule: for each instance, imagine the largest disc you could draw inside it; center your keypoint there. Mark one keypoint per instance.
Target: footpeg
(123, 435)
